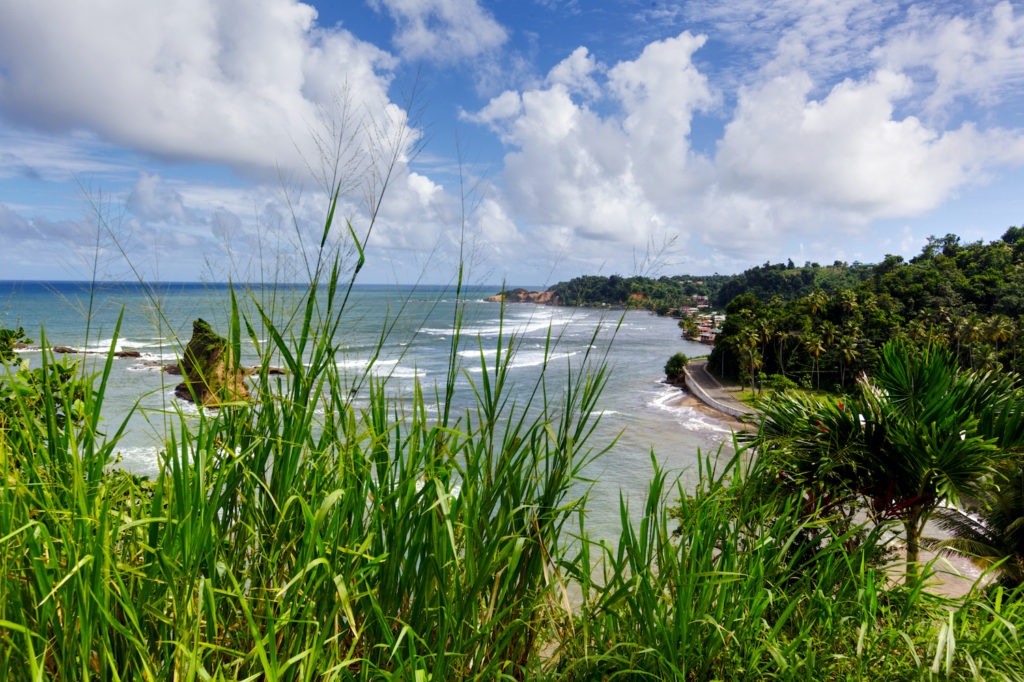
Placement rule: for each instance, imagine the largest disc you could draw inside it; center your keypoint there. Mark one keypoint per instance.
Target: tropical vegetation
(990, 528)
(969, 296)
(918, 434)
(662, 295)
(675, 366)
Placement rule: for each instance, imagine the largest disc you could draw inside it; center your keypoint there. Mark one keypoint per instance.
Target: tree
(917, 435)
(814, 348)
(689, 327)
(675, 366)
(848, 353)
(746, 347)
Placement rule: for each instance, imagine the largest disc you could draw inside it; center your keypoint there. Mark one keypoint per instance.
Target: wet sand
(687, 399)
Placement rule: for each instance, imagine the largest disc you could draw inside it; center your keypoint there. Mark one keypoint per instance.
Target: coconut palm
(814, 348)
(849, 352)
(917, 435)
(746, 346)
(817, 301)
(999, 328)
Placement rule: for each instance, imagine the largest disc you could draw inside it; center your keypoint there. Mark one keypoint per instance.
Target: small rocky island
(521, 295)
(212, 375)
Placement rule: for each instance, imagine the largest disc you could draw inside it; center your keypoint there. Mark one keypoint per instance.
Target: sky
(528, 140)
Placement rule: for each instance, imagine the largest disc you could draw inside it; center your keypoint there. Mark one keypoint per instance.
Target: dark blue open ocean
(415, 327)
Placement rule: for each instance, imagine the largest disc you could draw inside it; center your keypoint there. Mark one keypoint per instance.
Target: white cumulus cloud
(802, 153)
(977, 57)
(211, 80)
(442, 30)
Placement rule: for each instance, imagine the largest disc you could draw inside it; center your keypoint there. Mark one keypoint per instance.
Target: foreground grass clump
(296, 536)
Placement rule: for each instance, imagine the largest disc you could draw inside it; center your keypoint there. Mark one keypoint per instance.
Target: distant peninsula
(520, 295)
(682, 295)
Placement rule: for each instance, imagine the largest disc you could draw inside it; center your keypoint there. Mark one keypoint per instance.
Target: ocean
(413, 326)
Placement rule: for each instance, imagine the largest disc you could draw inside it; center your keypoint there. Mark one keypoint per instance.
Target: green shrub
(675, 366)
(779, 382)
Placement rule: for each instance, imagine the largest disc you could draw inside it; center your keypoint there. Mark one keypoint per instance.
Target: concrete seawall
(707, 389)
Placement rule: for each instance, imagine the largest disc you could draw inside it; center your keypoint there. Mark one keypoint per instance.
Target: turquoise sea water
(413, 326)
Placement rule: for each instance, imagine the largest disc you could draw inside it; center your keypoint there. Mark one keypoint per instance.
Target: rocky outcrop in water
(212, 375)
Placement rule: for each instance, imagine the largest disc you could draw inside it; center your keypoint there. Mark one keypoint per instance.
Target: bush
(675, 366)
(778, 382)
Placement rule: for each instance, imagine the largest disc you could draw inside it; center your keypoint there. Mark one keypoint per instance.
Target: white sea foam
(187, 407)
(146, 367)
(518, 325)
(689, 418)
(530, 358)
(382, 367)
(142, 459)
(475, 353)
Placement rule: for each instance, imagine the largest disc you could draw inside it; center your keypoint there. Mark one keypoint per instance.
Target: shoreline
(688, 399)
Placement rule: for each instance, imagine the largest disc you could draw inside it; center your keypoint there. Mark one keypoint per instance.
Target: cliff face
(521, 295)
(211, 375)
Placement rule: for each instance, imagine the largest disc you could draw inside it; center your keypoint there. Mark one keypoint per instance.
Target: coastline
(688, 399)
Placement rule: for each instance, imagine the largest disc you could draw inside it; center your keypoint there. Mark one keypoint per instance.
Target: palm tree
(765, 333)
(848, 300)
(918, 434)
(917, 330)
(975, 331)
(848, 352)
(817, 301)
(991, 530)
(779, 336)
(999, 328)
(746, 345)
(814, 348)
(828, 333)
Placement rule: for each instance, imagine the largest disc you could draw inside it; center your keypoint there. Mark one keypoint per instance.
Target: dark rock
(212, 375)
(271, 370)
(127, 354)
(62, 349)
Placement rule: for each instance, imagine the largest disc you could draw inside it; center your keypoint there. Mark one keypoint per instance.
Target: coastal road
(707, 388)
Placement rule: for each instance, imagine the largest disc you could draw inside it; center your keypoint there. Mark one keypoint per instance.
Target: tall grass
(298, 536)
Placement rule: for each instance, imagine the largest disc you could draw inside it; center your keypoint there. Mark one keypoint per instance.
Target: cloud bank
(757, 130)
(601, 155)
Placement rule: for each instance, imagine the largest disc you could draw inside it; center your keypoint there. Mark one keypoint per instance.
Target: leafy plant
(991, 528)
(918, 434)
(9, 338)
(674, 368)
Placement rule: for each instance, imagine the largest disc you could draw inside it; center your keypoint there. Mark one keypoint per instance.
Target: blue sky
(533, 140)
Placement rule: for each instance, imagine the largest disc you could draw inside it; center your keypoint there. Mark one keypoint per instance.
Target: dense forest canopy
(785, 281)
(969, 297)
(660, 295)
